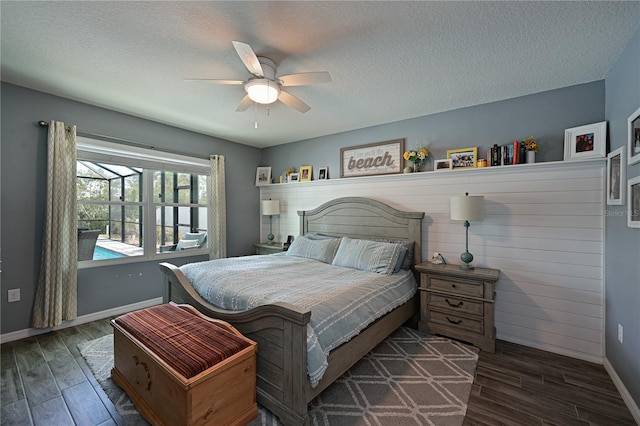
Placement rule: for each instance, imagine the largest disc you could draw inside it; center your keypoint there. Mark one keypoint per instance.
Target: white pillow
(183, 244)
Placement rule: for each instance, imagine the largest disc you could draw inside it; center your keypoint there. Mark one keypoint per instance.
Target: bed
(280, 329)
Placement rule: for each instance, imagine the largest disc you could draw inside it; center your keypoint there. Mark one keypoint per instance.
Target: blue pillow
(367, 255)
(409, 258)
(313, 236)
(322, 250)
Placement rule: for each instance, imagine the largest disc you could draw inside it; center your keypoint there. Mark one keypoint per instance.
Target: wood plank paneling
(543, 228)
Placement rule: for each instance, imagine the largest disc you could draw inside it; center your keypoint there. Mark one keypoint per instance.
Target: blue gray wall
(542, 115)
(23, 184)
(622, 244)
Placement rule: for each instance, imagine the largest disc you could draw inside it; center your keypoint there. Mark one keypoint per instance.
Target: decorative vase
(415, 167)
(531, 156)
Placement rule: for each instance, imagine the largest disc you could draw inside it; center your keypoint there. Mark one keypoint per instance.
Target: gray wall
(622, 244)
(23, 183)
(542, 115)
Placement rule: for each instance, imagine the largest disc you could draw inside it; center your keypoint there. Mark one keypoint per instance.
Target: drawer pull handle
(452, 321)
(457, 305)
(146, 370)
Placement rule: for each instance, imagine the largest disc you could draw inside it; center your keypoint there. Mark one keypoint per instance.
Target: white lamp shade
(467, 207)
(270, 207)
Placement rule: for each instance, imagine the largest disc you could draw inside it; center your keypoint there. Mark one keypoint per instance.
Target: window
(137, 203)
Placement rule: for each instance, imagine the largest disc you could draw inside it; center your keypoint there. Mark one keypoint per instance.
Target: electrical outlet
(13, 295)
(620, 333)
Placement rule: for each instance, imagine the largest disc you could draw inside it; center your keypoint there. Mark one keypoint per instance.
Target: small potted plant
(531, 147)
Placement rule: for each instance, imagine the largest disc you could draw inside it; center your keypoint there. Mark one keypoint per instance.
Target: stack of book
(508, 154)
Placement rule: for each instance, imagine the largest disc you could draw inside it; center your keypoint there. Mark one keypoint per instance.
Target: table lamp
(467, 208)
(270, 208)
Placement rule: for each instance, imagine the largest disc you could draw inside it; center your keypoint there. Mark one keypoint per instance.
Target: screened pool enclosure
(112, 198)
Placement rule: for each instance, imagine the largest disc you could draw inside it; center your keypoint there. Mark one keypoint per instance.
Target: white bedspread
(343, 301)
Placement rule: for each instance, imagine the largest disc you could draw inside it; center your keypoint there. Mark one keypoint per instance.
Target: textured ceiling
(388, 60)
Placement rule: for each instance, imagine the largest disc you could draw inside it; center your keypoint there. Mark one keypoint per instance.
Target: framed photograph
(381, 158)
(633, 211)
(442, 165)
(294, 178)
(586, 142)
(463, 158)
(323, 173)
(305, 173)
(634, 137)
(263, 176)
(616, 177)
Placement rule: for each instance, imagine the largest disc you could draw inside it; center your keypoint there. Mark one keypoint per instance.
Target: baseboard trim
(21, 334)
(624, 393)
(596, 359)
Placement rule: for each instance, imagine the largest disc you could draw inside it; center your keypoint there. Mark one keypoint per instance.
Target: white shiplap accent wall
(543, 228)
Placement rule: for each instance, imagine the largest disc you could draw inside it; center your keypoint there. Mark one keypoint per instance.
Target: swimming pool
(101, 253)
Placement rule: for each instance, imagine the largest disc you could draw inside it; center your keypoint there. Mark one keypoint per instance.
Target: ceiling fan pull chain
(255, 115)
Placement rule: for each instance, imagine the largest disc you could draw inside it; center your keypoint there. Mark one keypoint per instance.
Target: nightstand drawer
(455, 304)
(458, 287)
(456, 321)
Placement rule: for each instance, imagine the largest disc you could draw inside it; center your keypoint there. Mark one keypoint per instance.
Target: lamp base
(270, 239)
(467, 258)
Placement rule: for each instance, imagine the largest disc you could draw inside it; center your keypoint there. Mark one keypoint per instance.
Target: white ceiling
(389, 60)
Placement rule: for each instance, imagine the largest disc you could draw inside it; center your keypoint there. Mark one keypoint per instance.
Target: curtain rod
(106, 138)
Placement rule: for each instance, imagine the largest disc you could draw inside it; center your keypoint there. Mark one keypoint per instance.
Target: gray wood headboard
(359, 217)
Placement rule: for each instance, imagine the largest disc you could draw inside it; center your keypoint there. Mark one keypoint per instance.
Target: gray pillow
(322, 250)
(367, 255)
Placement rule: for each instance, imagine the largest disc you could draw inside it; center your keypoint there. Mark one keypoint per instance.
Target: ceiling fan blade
(216, 81)
(249, 58)
(244, 104)
(293, 102)
(305, 78)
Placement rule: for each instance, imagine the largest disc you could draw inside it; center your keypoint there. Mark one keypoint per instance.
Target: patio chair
(87, 243)
(191, 240)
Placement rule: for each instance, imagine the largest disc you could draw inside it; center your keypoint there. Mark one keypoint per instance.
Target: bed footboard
(281, 333)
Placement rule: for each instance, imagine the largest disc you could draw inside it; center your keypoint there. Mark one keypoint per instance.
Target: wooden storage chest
(167, 372)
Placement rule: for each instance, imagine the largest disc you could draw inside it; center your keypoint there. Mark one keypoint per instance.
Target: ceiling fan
(264, 87)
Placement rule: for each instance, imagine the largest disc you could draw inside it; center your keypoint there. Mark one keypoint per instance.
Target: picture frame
(633, 132)
(263, 176)
(616, 177)
(380, 158)
(442, 165)
(463, 158)
(305, 173)
(633, 209)
(585, 142)
(323, 173)
(294, 178)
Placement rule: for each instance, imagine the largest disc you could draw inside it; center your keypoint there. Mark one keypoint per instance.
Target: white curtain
(217, 210)
(56, 294)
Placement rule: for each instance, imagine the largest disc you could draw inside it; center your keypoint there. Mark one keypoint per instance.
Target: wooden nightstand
(458, 303)
(264, 248)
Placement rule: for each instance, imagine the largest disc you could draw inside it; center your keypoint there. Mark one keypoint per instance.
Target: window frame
(149, 161)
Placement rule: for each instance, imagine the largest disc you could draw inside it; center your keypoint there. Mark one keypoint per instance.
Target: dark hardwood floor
(46, 381)
(519, 385)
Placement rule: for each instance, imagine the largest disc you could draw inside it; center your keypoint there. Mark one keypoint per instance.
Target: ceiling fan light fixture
(262, 90)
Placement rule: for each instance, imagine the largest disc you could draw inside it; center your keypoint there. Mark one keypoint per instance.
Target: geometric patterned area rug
(411, 378)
